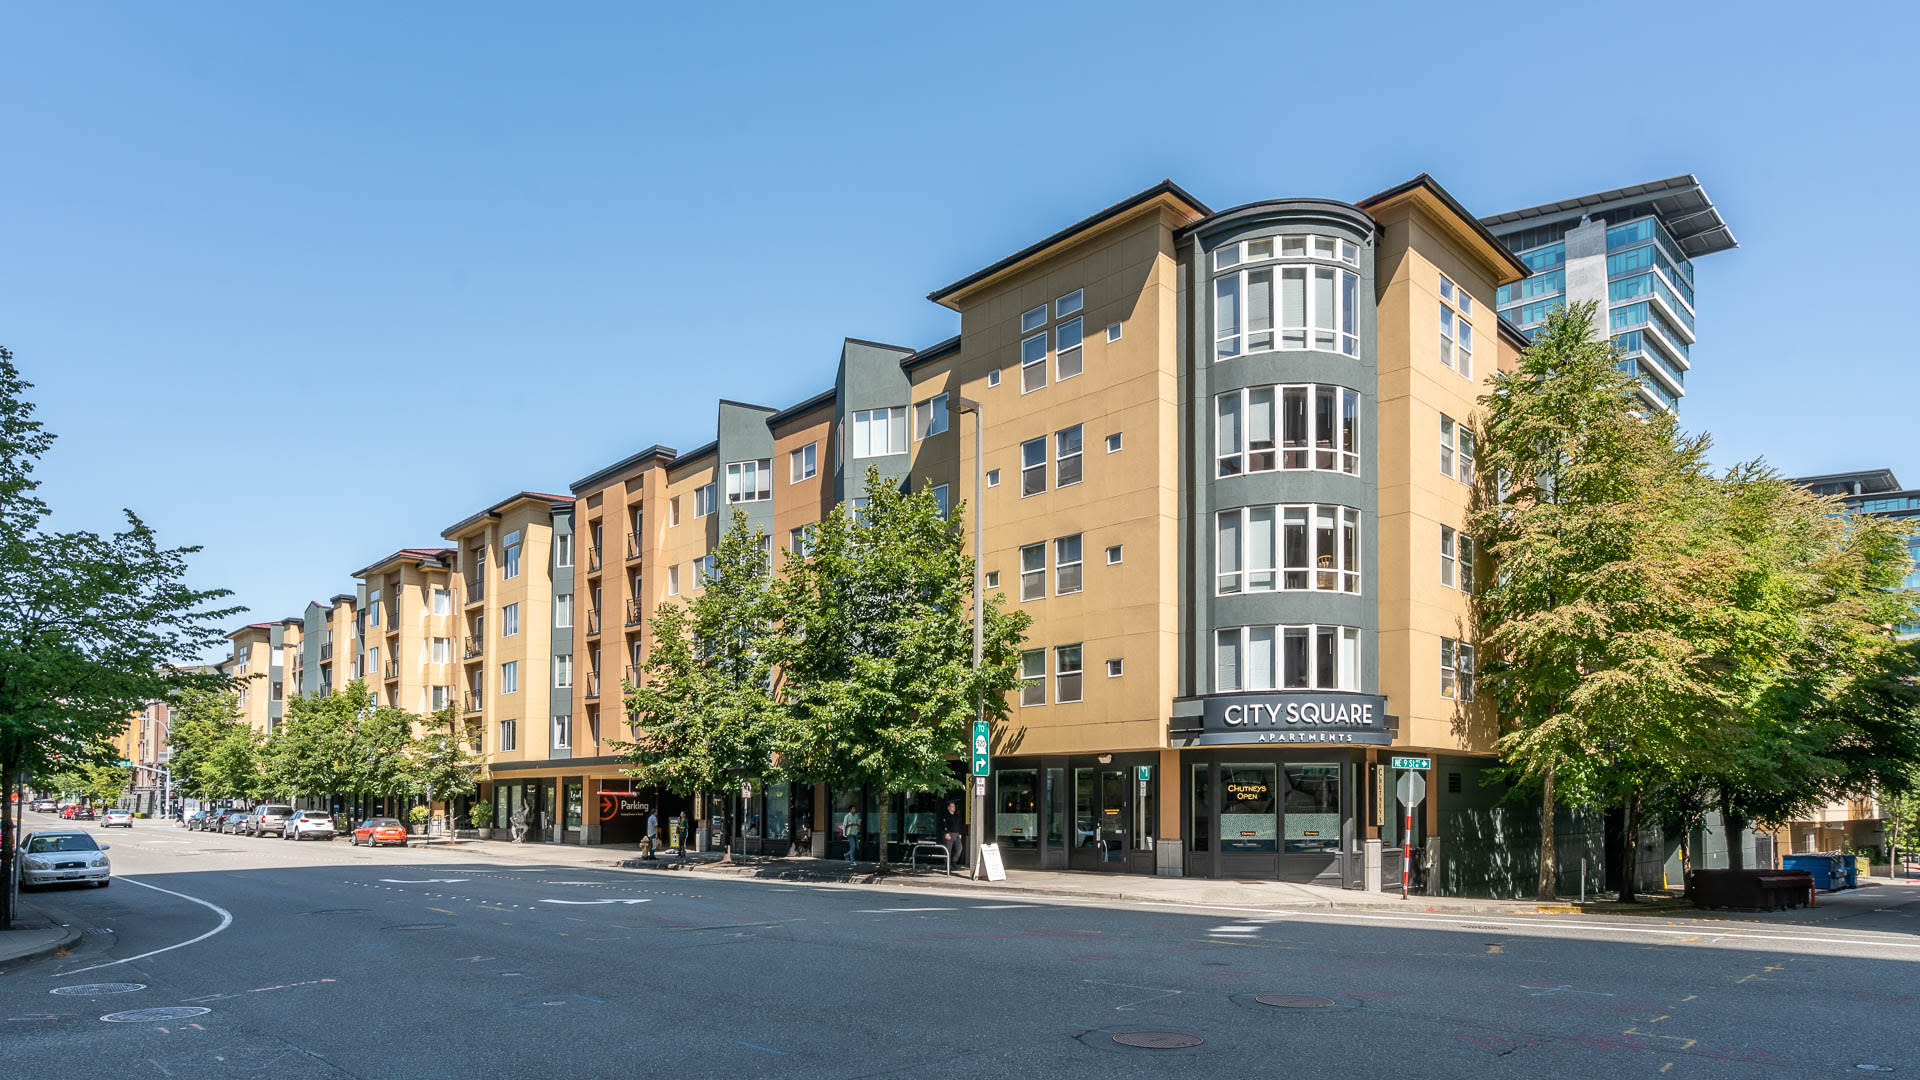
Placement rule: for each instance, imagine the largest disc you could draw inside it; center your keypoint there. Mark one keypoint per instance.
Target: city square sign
(1319, 718)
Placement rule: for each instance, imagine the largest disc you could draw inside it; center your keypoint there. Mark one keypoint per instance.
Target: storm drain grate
(1157, 1040)
(98, 930)
(1294, 1001)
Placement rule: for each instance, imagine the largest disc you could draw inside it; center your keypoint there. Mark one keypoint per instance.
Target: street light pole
(978, 794)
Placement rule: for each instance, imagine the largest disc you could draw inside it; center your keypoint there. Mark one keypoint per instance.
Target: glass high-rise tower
(1631, 251)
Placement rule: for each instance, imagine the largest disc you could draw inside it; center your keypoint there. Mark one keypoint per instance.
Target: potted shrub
(481, 814)
(418, 817)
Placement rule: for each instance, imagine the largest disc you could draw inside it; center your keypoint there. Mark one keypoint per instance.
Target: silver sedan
(63, 857)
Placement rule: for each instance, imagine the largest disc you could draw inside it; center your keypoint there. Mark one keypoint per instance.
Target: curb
(67, 941)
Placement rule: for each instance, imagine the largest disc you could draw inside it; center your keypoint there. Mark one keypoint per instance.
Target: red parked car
(78, 813)
(381, 830)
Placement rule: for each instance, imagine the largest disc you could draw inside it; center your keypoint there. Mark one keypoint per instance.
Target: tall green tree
(1594, 515)
(707, 715)
(877, 660)
(215, 755)
(92, 627)
(439, 763)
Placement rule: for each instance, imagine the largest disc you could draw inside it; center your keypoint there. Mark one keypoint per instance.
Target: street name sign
(1412, 763)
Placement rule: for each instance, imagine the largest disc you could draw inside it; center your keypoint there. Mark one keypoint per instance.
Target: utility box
(1370, 865)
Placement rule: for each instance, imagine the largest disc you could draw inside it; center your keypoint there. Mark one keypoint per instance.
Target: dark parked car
(197, 819)
(230, 821)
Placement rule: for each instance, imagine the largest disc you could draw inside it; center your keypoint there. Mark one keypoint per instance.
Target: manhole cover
(142, 1016)
(97, 989)
(1294, 1001)
(1157, 1040)
(420, 926)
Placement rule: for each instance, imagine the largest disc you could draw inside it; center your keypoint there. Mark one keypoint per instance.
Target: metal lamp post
(978, 812)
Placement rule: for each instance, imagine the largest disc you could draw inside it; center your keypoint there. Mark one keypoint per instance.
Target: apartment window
(1113, 443)
(930, 417)
(442, 651)
(1456, 331)
(1033, 572)
(703, 500)
(373, 608)
(750, 481)
(563, 732)
(673, 581)
(279, 690)
(373, 663)
(1033, 320)
(509, 735)
(993, 477)
(510, 677)
(993, 579)
(804, 463)
(1069, 303)
(797, 540)
(1033, 677)
(1310, 426)
(1116, 667)
(1449, 558)
(1304, 306)
(703, 569)
(1310, 657)
(1287, 548)
(673, 513)
(878, 432)
(563, 611)
(1067, 456)
(1113, 332)
(1448, 437)
(1033, 466)
(562, 672)
(1067, 565)
(1466, 563)
(510, 620)
(510, 556)
(443, 601)
(1067, 673)
(1068, 356)
(1033, 361)
(1456, 669)
(563, 549)
(442, 697)
(940, 497)
(1456, 449)
(1114, 554)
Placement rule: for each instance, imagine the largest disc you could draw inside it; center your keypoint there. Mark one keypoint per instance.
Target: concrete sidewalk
(34, 934)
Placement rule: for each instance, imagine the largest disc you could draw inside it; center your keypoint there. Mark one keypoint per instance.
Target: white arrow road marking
(423, 881)
(581, 902)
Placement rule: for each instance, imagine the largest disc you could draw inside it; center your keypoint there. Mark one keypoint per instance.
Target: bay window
(1310, 657)
(1308, 426)
(1307, 306)
(1287, 548)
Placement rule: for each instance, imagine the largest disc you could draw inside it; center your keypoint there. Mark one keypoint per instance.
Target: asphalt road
(316, 960)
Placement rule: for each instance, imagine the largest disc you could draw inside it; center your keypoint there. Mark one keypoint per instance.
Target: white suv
(305, 823)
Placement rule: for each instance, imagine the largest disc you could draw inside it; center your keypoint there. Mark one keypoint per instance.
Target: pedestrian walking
(953, 831)
(518, 824)
(653, 832)
(851, 826)
(686, 834)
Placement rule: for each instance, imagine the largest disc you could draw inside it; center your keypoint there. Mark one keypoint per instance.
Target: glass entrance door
(1102, 810)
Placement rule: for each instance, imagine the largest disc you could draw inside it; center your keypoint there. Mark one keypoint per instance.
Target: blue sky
(266, 262)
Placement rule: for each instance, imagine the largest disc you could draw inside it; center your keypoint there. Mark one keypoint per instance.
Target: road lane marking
(226, 920)
(423, 881)
(999, 907)
(897, 910)
(583, 902)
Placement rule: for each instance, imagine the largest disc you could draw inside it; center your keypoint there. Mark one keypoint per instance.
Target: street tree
(705, 711)
(214, 754)
(92, 627)
(440, 764)
(877, 658)
(1594, 515)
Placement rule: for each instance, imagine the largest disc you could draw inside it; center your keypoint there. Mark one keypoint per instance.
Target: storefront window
(1200, 833)
(779, 812)
(1143, 829)
(1313, 807)
(922, 818)
(573, 804)
(1016, 808)
(1113, 817)
(1247, 805)
(873, 816)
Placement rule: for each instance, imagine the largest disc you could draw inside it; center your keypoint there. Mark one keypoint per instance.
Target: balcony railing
(475, 647)
(633, 547)
(636, 612)
(393, 669)
(593, 685)
(593, 560)
(476, 592)
(326, 650)
(632, 675)
(474, 700)
(593, 623)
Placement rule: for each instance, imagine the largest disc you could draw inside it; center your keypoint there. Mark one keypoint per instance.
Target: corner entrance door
(1102, 814)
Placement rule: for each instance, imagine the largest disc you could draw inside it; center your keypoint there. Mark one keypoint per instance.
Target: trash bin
(1820, 864)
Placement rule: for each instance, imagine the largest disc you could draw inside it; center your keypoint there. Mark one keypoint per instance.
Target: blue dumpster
(1850, 866)
(1823, 865)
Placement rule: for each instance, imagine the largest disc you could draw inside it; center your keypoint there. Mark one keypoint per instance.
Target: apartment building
(258, 662)
(405, 625)
(512, 572)
(329, 654)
